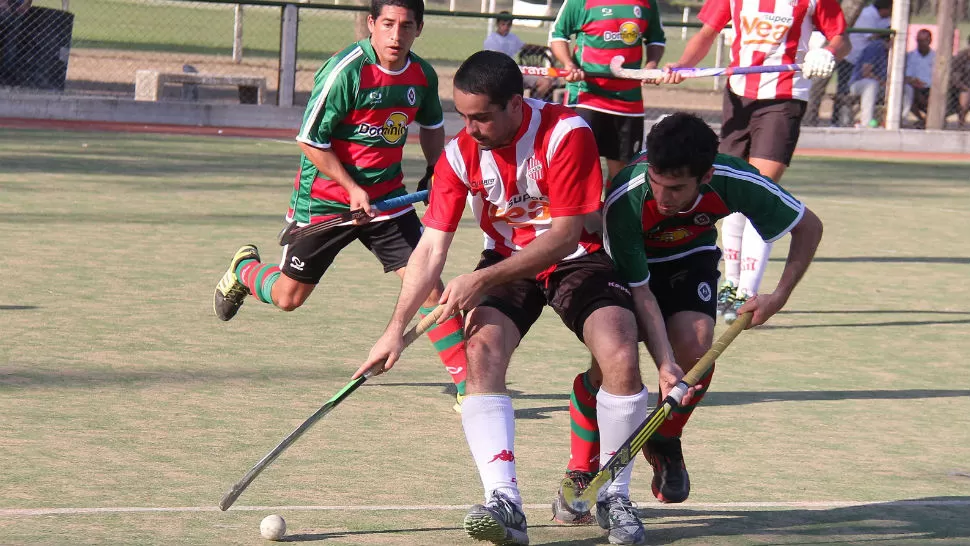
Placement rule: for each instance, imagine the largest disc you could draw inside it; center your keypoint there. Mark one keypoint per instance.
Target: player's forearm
(805, 237)
(698, 46)
(560, 49)
(432, 143)
(654, 54)
(839, 46)
(422, 273)
(652, 326)
(540, 254)
(329, 165)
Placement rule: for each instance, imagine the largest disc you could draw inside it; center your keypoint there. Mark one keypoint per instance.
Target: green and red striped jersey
(602, 30)
(361, 112)
(637, 234)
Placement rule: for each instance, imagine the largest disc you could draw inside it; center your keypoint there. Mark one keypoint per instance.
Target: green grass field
(128, 409)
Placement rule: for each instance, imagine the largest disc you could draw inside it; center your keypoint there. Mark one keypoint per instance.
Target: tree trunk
(940, 88)
(851, 10)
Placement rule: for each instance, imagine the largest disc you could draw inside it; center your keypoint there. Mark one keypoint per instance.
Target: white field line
(823, 505)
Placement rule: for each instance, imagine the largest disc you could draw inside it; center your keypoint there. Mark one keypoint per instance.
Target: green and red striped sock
(584, 445)
(673, 427)
(258, 278)
(449, 341)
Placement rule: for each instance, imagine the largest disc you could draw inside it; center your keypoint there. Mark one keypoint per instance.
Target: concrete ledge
(904, 140)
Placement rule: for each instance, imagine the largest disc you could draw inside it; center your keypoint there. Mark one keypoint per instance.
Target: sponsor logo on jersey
(606, 12)
(376, 96)
(702, 219)
(669, 236)
(412, 96)
(629, 34)
(704, 291)
(636, 12)
(765, 28)
(392, 130)
(520, 210)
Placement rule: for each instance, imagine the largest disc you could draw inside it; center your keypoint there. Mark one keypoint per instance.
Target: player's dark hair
(490, 73)
(416, 7)
(682, 141)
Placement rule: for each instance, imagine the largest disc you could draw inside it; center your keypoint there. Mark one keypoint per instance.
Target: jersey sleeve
(655, 30)
(330, 102)
(430, 116)
(448, 192)
(623, 227)
(575, 175)
(828, 18)
(715, 13)
(772, 211)
(567, 21)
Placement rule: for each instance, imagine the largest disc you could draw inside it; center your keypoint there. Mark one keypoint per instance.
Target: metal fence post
(237, 34)
(897, 65)
(289, 22)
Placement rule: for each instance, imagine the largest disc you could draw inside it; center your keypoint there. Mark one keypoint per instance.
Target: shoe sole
(485, 527)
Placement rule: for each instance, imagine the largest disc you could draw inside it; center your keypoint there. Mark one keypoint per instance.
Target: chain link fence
(109, 48)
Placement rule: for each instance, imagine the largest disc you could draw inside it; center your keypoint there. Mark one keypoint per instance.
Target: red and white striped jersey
(551, 169)
(771, 33)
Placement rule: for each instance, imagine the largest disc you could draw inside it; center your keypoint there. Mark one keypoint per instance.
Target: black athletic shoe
(230, 292)
(562, 512)
(499, 521)
(671, 483)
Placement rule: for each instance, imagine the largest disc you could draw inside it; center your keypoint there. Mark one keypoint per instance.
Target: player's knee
(289, 302)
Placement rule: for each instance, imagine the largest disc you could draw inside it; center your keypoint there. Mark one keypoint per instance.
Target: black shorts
(574, 290)
(618, 137)
(766, 128)
(686, 284)
(392, 241)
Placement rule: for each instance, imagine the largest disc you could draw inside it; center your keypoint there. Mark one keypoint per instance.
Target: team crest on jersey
(412, 96)
(533, 170)
(637, 12)
(629, 34)
(702, 219)
(392, 130)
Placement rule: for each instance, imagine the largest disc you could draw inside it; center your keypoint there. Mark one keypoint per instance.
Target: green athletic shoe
(725, 296)
(731, 313)
(230, 292)
(457, 406)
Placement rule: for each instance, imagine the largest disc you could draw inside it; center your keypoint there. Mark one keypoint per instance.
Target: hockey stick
(552, 72)
(580, 500)
(616, 68)
(292, 233)
(342, 394)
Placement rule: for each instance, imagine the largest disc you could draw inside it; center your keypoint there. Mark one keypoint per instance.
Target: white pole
(490, 27)
(65, 5)
(237, 34)
(288, 33)
(897, 65)
(683, 29)
(451, 5)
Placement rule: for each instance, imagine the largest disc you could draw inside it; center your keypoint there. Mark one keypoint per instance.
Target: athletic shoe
(725, 296)
(231, 292)
(499, 521)
(731, 313)
(619, 515)
(671, 483)
(457, 406)
(562, 512)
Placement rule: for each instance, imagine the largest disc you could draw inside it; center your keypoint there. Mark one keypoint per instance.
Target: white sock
(754, 260)
(732, 229)
(489, 424)
(618, 417)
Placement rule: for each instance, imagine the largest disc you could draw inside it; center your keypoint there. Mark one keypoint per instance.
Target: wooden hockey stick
(581, 499)
(237, 489)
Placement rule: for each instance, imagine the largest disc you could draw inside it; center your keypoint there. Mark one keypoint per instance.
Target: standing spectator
(960, 83)
(505, 41)
(875, 15)
(11, 19)
(919, 75)
(869, 79)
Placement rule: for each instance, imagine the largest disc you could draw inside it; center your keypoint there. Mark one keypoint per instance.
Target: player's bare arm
(560, 49)
(805, 237)
(652, 328)
(654, 54)
(422, 273)
(432, 143)
(465, 291)
(329, 164)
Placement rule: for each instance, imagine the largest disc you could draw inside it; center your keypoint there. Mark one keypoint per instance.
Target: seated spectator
(960, 83)
(875, 15)
(505, 41)
(919, 74)
(869, 79)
